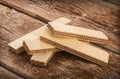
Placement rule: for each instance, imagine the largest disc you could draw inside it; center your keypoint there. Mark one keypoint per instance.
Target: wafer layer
(42, 59)
(17, 45)
(33, 46)
(78, 32)
(77, 47)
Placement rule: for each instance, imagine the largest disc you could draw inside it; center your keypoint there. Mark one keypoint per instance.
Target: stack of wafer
(42, 43)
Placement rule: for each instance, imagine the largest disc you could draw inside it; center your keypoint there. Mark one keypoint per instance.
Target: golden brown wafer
(17, 45)
(77, 47)
(42, 59)
(33, 46)
(78, 32)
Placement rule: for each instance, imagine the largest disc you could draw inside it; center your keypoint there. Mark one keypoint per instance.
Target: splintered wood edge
(81, 37)
(75, 53)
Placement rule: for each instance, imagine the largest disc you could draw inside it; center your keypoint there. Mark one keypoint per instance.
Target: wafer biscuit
(78, 32)
(33, 46)
(17, 45)
(76, 47)
(42, 59)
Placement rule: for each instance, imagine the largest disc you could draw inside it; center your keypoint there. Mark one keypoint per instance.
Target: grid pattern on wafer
(83, 33)
(73, 45)
(17, 45)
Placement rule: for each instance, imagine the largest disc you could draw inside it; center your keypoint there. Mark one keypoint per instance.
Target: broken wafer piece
(17, 45)
(33, 46)
(42, 59)
(78, 32)
(76, 47)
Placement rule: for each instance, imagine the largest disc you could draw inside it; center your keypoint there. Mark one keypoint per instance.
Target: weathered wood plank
(102, 14)
(117, 2)
(12, 24)
(29, 9)
(107, 15)
(99, 19)
(6, 74)
(63, 65)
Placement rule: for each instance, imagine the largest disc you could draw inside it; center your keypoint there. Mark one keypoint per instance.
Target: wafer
(17, 45)
(42, 59)
(78, 32)
(76, 47)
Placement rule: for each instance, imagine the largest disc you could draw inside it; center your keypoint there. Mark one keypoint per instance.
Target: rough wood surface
(6, 74)
(30, 9)
(84, 13)
(63, 65)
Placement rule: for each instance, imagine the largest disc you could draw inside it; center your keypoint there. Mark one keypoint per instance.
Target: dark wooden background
(19, 17)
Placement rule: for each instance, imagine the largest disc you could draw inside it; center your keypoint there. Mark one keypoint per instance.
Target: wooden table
(23, 16)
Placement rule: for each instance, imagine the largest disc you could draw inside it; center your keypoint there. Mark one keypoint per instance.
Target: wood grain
(63, 65)
(6, 74)
(98, 20)
(30, 10)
